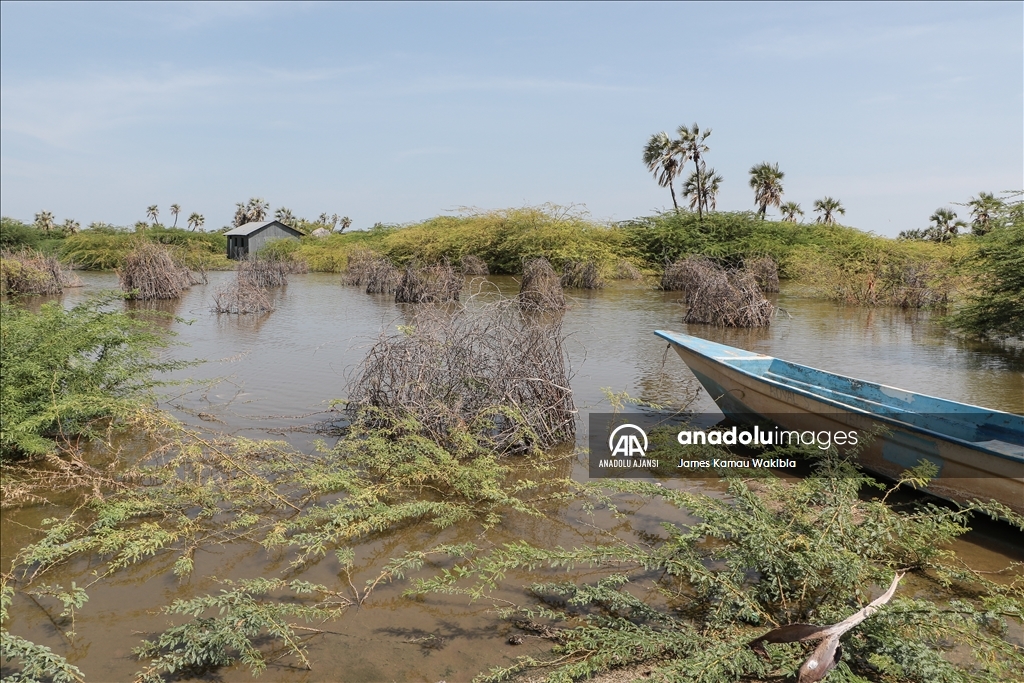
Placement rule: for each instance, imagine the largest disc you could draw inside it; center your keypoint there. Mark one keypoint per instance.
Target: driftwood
(493, 371)
(580, 275)
(30, 272)
(541, 289)
(473, 265)
(828, 652)
(435, 284)
(151, 271)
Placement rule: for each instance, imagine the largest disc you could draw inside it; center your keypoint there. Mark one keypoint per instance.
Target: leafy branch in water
(38, 662)
(772, 553)
(246, 613)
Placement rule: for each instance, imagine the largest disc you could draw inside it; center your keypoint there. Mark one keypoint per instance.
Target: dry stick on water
(30, 272)
(436, 284)
(828, 652)
(580, 275)
(493, 370)
(541, 289)
(151, 271)
(473, 265)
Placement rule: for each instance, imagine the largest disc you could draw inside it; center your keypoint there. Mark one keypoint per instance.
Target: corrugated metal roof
(249, 228)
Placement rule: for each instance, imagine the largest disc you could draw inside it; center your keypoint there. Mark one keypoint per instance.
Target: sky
(398, 112)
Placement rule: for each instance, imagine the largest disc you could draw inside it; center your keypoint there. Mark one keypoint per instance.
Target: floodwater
(274, 376)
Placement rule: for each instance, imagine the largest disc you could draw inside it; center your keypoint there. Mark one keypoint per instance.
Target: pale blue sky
(398, 112)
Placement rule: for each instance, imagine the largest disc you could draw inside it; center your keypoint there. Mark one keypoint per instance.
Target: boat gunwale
(972, 445)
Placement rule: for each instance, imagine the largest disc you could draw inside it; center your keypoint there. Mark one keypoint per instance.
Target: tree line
(666, 157)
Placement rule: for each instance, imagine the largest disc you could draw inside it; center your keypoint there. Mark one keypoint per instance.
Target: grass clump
(435, 284)
(541, 287)
(696, 602)
(151, 271)
(30, 272)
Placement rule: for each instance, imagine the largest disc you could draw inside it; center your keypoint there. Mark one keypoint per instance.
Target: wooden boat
(979, 452)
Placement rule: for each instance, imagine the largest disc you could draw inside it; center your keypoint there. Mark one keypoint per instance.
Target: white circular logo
(628, 444)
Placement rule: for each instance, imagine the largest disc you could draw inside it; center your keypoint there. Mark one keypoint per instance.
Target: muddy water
(275, 376)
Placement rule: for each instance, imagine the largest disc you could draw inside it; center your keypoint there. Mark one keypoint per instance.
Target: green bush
(64, 371)
(105, 247)
(996, 309)
(15, 235)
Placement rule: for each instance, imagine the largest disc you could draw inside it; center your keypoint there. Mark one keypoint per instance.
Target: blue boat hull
(979, 453)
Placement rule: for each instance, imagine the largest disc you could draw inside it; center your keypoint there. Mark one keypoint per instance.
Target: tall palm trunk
(674, 202)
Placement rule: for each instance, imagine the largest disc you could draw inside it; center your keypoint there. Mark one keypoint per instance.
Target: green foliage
(37, 662)
(688, 602)
(996, 309)
(105, 247)
(65, 370)
(246, 612)
(15, 235)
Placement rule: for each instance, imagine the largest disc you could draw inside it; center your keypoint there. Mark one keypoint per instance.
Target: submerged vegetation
(150, 271)
(30, 272)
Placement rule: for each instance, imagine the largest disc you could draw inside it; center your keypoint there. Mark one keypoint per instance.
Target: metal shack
(249, 238)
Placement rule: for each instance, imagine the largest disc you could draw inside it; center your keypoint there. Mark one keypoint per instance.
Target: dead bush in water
(625, 270)
(687, 273)
(541, 289)
(435, 284)
(381, 276)
(29, 272)
(241, 297)
(906, 284)
(358, 265)
(151, 271)
(501, 375)
(473, 265)
(579, 275)
(263, 271)
(729, 298)
(765, 271)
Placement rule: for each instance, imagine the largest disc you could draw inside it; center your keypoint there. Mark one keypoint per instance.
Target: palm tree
(662, 156)
(196, 220)
(284, 215)
(175, 210)
(702, 188)
(691, 143)
(346, 223)
(257, 209)
(790, 210)
(827, 209)
(44, 221)
(945, 224)
(70, 226)
(766, 181)
(152, 212)
(984, 208)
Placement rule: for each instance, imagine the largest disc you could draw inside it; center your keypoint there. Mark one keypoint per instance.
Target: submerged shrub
(996, 309)
(473, 265)
(625, 270)
(29, 272)
(435, 284)
(765, 271)
(503, 376)
(541, 288)
(579, 275)
(729, 298)
(67, 371)
(263, 272)
(380, 276)
(241, 297)
(150, 271)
